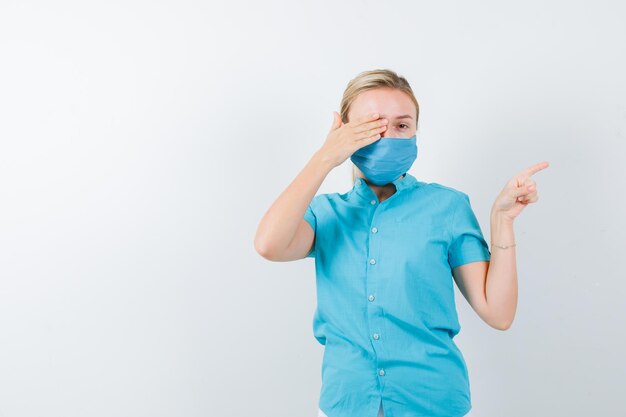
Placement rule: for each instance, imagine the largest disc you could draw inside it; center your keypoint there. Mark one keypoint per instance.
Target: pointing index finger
(535, 168)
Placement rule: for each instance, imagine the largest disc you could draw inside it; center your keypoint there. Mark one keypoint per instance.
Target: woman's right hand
(345, 139)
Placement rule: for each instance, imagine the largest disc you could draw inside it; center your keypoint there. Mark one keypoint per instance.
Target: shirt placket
(374, 275)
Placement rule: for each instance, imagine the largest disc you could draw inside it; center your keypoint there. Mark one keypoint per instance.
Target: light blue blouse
(385, 298)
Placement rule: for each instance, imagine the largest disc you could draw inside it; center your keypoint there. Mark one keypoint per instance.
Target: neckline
(362, 189)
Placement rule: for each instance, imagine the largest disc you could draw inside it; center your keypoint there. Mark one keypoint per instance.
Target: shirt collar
(365, 191)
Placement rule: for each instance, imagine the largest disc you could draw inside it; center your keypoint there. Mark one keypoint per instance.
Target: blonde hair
(370, 80)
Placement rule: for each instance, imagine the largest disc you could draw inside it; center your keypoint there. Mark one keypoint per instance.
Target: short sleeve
(468, 244)
(310, 217)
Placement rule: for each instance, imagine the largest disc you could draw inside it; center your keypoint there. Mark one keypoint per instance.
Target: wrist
(502, 234)
(322, 161)
(500, 218)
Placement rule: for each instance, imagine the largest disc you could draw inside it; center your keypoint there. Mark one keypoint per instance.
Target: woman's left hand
(518, 192)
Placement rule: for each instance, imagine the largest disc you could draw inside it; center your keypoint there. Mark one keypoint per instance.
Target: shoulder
(320, 198)
(446, 189)
(321, 202)
(444, 193)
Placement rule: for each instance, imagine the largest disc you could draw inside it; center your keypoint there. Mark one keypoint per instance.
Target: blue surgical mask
(385, 160)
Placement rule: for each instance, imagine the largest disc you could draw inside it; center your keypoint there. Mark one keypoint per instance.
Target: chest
(392, 239)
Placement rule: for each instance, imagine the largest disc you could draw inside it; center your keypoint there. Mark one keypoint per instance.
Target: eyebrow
(404, 116)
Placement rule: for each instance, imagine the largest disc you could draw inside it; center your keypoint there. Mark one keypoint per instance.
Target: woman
(386, 253)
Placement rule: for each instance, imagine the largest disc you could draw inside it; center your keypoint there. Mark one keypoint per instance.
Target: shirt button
(381, 372)
(371, 297)
(358, 182)
(373, 202)
(372, 261)
(376, 336)
(374, 230)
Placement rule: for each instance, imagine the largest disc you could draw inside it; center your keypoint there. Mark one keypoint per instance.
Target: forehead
(389, 102)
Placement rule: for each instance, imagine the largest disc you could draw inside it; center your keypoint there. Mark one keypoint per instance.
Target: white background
(141, 143)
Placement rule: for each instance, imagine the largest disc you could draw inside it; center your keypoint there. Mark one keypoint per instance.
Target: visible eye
(404, 124)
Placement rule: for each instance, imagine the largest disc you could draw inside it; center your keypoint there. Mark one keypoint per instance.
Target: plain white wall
(142, 141)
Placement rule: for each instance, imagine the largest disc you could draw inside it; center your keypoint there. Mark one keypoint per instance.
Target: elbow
(263, 249)
(502, 325)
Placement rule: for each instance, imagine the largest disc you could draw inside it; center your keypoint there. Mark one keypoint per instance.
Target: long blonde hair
(370, 80)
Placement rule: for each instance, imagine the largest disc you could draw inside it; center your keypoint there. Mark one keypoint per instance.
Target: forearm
(501, 286)
(279, 224)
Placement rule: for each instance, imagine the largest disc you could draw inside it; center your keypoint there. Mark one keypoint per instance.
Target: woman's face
(391, 104)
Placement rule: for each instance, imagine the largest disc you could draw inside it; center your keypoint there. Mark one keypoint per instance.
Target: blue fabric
(385, 298)
(386, 159)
